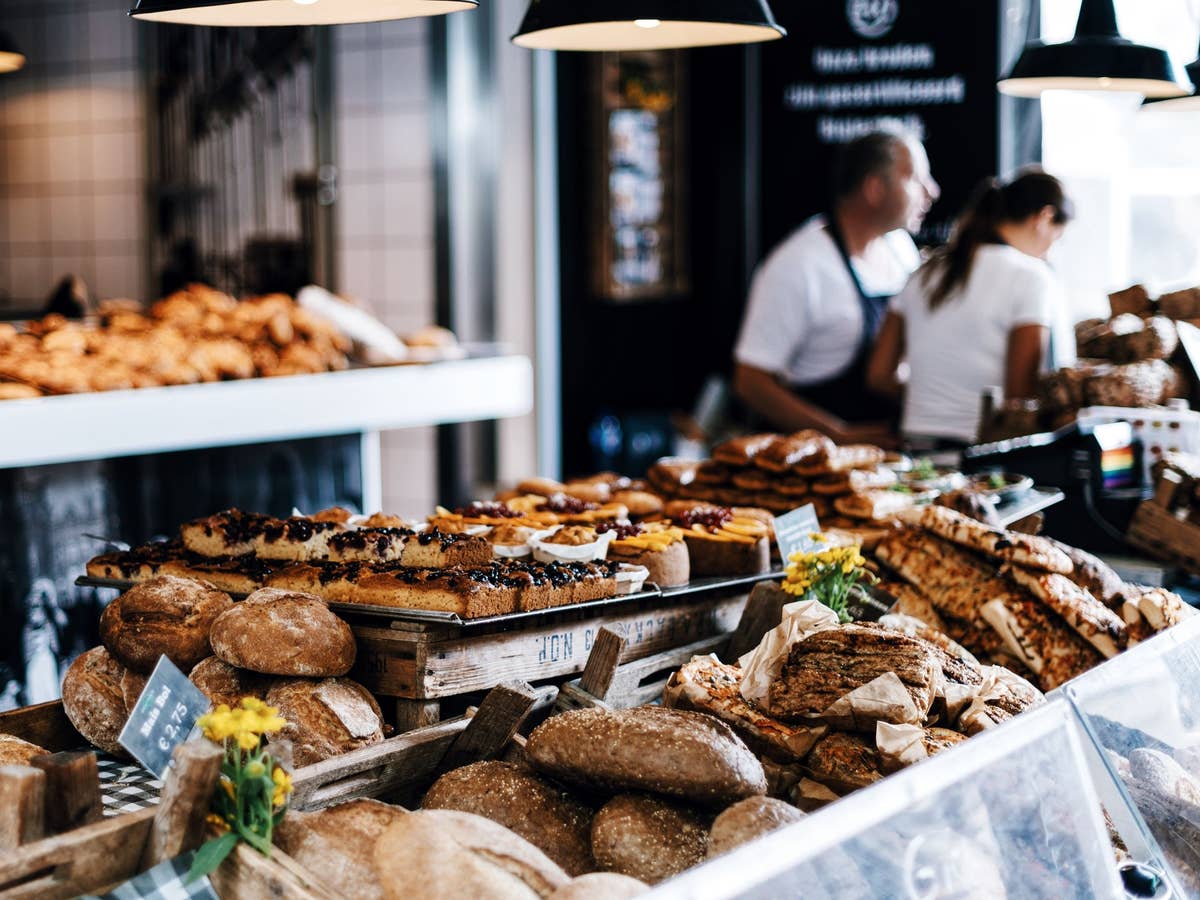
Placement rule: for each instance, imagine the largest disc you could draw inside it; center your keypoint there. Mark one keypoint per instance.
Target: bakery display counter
(1010, 813)
(76, 427)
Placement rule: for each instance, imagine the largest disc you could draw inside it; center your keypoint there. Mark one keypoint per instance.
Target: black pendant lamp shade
(245, 13)
(11, 58)
(644, 24)
(1188, 103)
(1096, 59)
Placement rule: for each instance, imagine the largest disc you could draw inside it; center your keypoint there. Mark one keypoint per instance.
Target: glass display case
(1011, 813)
(1141, 713)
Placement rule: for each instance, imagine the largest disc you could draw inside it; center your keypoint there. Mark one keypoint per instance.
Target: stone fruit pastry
(723, 540)
(659, 546)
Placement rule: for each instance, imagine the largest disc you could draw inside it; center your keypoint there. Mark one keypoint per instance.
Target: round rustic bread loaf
(601, 886)
(547, 816)
(325, 718)
(163, 616)
(16, 752)
(279, 632)
(337, 844)
(132, 685)
(649, 748)
(647, 838)
(223, 683)
(93, 699)
(747, 820)
(452, 855)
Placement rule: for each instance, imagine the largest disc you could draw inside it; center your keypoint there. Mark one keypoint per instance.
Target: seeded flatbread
(1095, 622)
(1050, 649)
(1007, 546)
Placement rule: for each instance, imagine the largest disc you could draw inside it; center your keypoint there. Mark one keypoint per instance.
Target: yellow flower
(817, 538)
(227, 785)
(217, 822)
(256, 769)
(283, 786)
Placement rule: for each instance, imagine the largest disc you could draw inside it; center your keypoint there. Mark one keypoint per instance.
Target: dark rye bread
(547, 816)
(453, 855)
(649, 748)
(163, 616)
(748, 820)
(278, 632)
(223, 683)
(325, 718)
(337, 844)
(829, 664)
(648, 838)
(94, 701)
(844, 763)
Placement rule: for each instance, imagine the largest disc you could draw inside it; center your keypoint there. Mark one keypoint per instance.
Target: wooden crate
(422, 663)
(1160, 533)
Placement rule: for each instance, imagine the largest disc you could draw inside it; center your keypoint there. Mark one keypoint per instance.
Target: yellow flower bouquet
(827, 572)
(254, 788)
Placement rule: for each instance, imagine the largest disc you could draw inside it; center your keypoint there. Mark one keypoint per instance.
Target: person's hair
(993, 203)
(873, 153)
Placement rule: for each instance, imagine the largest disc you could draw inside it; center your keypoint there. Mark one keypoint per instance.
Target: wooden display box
(1163, 535)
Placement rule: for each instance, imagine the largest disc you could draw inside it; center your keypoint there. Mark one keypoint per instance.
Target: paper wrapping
(762, 665)
(1001, 688)
(883, 699)
(899, 745)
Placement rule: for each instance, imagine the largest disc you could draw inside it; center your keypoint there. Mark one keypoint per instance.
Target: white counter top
(155, 420)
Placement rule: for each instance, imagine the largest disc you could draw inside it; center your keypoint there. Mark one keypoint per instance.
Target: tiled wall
(385, 220)
(72, 149)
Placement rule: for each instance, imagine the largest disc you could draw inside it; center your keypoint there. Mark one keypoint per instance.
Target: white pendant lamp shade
(247, 13)
(1096, 59)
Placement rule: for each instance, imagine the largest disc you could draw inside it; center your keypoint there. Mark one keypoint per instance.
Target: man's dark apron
(846, 394)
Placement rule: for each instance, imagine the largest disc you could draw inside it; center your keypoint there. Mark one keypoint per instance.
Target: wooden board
(46, 725)
(1159, 533)
(419, 665)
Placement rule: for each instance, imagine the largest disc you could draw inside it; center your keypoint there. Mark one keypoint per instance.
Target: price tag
(794, 531)
(163, 718)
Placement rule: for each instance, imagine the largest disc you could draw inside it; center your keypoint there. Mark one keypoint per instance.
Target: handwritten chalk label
(163, 718)
(794, 531)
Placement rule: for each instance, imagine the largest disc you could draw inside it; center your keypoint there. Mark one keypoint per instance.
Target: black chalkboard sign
(163, 717)
(846, 66)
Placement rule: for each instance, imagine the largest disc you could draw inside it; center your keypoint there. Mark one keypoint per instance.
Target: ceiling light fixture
(1096, 59)
(245, 13)
(1188, 103)
(11, 58)
(600, 25)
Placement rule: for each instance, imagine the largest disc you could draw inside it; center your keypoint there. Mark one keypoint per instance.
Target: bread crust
(93, 699)
(16, 752)
(277, 632)
(748, 820)
(648, 838)
(325, 718)
(165, 616)
(223, 683)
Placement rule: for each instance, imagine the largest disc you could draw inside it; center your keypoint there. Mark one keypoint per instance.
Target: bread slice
(1095, 622)
(471, 593)
(233, 574)
(136, 564)
(228, 533)
(1006, 546)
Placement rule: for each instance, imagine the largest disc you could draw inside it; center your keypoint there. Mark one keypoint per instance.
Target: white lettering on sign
(947, 91)
(843, 129)
(892, 58)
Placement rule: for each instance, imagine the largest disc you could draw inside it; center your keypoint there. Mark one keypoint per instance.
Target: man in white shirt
(818, 300)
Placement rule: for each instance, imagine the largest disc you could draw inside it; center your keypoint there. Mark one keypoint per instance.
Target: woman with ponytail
(977, 313)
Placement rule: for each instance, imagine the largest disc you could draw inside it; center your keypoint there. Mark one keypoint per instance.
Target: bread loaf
(223, 683)
(163, 616)
(548, 817)
(601, 886)
(452, 855)
(93, 699)
(337, 844)
(667, 751)
(844, 763)
(748, 820)
(648, 838)
(16, 752)
(325, 718)
(279, 632)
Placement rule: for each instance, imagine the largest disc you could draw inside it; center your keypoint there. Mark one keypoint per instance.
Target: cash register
(1098, 467)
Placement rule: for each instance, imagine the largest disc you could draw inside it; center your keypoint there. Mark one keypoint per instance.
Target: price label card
(794, 531)
(163, 718)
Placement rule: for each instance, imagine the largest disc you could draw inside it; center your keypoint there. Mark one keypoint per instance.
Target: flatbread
(1026, 550)
(1094, 622)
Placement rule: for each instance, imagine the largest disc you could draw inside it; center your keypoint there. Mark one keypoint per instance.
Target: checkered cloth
(164, 882)
(125, 787)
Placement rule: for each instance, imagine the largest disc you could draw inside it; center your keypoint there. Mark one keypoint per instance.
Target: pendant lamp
(1096, 59)
(644, 24)
(1188, 103)
(11, 58)
(244, 13)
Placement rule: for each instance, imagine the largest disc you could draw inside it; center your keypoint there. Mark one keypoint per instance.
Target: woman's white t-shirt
(957, 351)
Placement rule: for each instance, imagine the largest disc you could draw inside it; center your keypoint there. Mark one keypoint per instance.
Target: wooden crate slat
(248, 875)
(46, 725)
(1157, 531)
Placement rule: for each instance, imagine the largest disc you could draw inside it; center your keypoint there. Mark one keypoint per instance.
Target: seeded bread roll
(163, 616)
(16, 752)
(222, 683)
(601, 886)
(648, 838)
(325, 718)
(279, 632)
(337, 844)
(649, 748)
(452, 855)
(93, 699)
(548, 817)
(748, 820)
